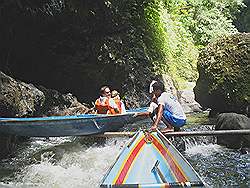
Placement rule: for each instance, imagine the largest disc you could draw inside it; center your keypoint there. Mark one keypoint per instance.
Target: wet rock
(7, 110)
(59, 104)
(18, 98)
(187, 99)
(186, 96)
(233, 121)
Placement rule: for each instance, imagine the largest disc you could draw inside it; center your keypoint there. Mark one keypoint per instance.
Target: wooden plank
(182, 133)
(116, 134)
(209, 133)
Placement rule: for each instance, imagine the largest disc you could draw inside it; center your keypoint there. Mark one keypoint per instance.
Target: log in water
(182, 133)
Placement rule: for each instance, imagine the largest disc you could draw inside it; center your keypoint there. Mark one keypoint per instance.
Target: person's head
(158, 88)
(105, 91)
(115, 94)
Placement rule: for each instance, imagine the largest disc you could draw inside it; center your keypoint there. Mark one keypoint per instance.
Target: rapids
(71, 162)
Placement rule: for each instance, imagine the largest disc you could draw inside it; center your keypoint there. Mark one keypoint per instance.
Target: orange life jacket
(119, 105)
(104, 107)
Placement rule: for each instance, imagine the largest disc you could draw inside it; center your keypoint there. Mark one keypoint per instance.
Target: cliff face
(77, 46)
(224, 74)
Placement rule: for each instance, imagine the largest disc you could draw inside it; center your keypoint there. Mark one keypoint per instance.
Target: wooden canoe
(150, 160)
(79, 125)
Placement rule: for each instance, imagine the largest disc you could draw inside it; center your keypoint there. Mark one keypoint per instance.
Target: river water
(71, 162)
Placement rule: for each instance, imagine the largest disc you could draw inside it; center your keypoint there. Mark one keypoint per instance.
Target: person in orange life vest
(105, 104)
(116, 96)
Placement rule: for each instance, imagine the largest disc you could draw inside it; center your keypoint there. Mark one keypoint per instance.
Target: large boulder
(187, 99)
(19, 99)
(233, 121)
(59, 104)
(224, 74)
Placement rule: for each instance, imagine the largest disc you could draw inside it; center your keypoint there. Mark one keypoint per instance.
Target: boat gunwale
(181, 184)
(51, 118)
(186, 161)
(117, 157)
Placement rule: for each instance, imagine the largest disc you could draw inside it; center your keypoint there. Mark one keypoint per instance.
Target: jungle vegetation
(184, 27)
(118, 42)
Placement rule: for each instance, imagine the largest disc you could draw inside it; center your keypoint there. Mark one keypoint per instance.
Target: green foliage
(121, 43)
(177, 29)
(183, 53)
(172, 49)
(224, 67)
(171, 32)
(198, 119)
(207, 19)
(156, 36)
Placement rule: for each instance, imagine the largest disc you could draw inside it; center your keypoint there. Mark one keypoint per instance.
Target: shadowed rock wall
(77, 46)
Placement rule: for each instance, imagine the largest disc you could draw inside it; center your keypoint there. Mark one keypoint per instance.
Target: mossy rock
(224, 74)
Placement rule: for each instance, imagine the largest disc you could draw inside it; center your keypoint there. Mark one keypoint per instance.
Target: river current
(71, 162)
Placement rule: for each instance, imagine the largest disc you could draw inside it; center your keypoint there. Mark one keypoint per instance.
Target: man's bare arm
(158, 117)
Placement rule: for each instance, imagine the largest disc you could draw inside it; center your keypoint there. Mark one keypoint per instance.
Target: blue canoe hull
(80, 125)
(150, 160)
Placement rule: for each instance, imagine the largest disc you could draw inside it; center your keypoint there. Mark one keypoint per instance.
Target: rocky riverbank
(19, 99)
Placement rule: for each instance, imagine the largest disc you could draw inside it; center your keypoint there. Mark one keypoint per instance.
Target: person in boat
(168, 109)
(116, 96)
(105, 104)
